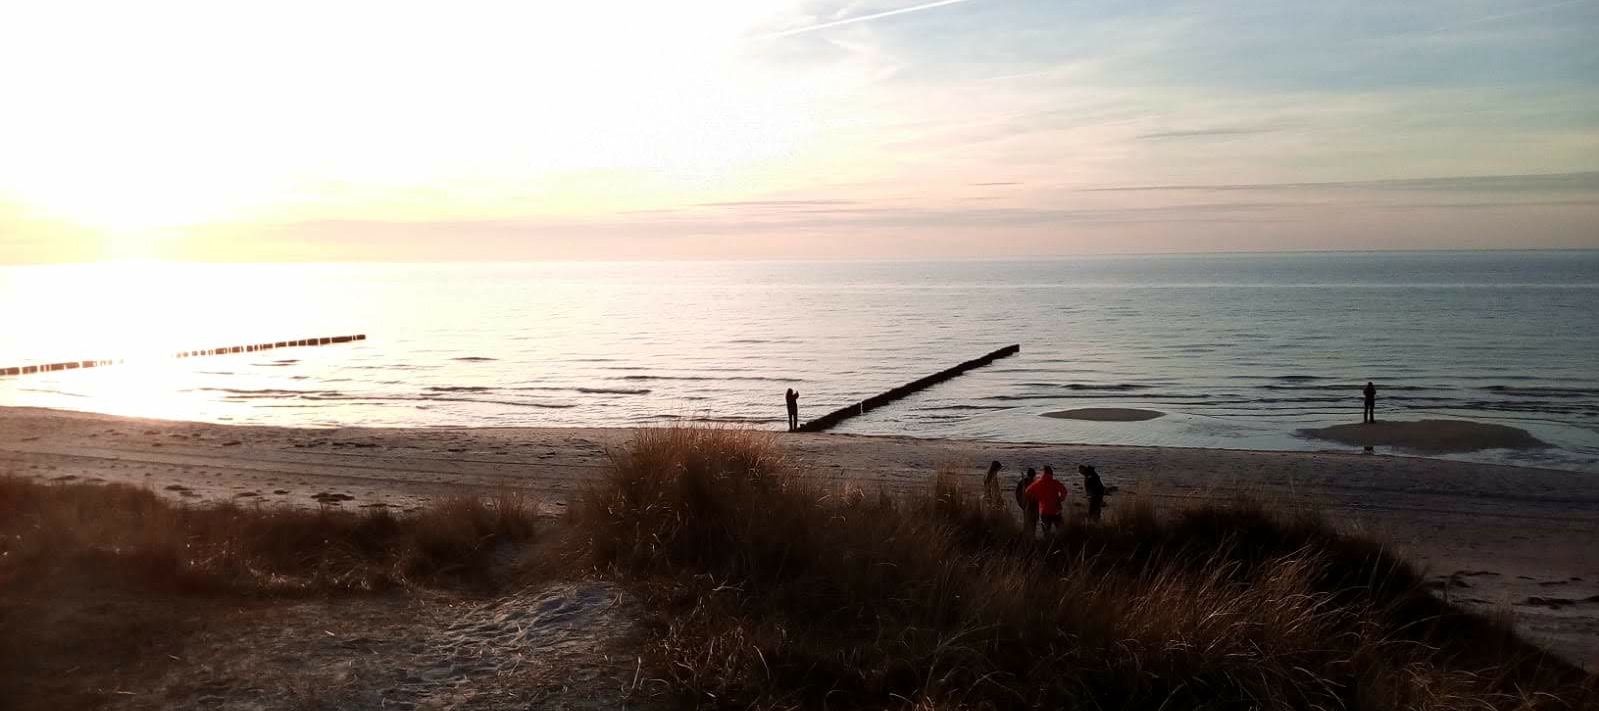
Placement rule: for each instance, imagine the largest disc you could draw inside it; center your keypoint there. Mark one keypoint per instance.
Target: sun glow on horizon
(183, 113)
(306, 131)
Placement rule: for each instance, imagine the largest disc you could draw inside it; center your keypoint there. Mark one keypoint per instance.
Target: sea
(1238, 350)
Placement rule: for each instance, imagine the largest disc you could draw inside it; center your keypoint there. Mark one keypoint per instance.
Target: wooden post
(78, 364)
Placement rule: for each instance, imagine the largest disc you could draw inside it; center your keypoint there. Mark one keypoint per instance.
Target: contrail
(1502, 16)
(862, 18)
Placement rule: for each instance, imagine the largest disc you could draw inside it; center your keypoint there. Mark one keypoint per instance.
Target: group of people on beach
(1042, 498)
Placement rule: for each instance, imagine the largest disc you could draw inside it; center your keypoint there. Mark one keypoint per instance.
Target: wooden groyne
(226, 350)
(831, 419)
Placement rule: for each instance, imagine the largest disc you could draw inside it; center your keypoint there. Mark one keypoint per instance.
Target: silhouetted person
(792, 398)
(1028, 506)
(1370, 413)
(992, 476)
(1094, 489)
(1049, 495)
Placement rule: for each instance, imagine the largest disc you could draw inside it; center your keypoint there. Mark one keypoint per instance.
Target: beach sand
(1494, 538)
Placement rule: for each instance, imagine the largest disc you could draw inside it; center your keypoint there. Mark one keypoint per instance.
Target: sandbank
(1106, 414)
(1428, 436)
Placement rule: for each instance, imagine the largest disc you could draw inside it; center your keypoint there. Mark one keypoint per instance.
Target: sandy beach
(1498, 539)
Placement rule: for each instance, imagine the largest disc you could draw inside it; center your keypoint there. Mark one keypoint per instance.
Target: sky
(317, 131)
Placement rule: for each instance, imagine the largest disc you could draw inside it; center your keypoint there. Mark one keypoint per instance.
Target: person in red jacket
(1050, 495)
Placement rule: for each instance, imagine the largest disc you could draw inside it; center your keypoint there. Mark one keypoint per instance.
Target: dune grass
(99, 584)
(771, 591)
(131, 536)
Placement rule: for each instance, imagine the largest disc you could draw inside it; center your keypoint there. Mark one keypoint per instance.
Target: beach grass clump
(770, 590)
(127, 536)
(101, 584)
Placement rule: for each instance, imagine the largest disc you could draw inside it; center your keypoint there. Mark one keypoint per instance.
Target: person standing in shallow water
(1369, 415)
(792, 399)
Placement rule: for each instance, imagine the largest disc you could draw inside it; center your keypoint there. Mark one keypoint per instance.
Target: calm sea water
(1240, 350)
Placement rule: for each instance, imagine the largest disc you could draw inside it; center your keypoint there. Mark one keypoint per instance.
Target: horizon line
(797, 260)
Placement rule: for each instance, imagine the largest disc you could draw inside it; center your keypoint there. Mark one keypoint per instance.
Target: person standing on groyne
(1369, 415)
(792, 399)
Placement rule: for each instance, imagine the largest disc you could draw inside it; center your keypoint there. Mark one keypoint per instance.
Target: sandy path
(1523, 540)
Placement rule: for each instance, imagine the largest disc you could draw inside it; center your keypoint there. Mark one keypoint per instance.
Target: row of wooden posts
(832, 419)
(76, 364)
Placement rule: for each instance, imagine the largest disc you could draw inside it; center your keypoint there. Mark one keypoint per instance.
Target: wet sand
(1494, 538)
(1106, 414)
(1428, 436)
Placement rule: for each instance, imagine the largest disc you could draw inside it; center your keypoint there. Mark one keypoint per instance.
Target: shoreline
(1492, 537)
(1347, 450)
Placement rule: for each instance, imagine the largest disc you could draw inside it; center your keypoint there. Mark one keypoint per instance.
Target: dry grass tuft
(775, 592)
(100, 585)
(123, 535)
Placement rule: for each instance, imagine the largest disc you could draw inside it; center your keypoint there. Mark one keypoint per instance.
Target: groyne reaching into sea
(832, 419)
(225, 350)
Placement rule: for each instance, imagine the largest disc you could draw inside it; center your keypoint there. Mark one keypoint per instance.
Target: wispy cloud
(861, 18)
(1483, 20)
(1203, 133)
(1548, 182)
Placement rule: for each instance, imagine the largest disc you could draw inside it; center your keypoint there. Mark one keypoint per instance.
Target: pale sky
(774, 129)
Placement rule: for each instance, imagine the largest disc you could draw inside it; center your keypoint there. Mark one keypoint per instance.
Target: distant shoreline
(1347, 448)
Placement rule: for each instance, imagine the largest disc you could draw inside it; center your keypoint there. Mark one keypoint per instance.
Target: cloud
(1203, 133)
(861, 18)
(776, 203)
(1587, 181)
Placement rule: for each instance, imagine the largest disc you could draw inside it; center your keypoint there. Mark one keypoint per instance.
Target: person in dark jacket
(1369, 414)
(1028, 506)
(791, 398)
(1094, 489)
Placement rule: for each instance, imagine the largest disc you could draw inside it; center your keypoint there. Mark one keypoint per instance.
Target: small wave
(475, 359)
(263, 392)
(457, 389)
(704, 378)
(1534, 391)
(1352, 387)
(51, 392)
(1118, 387)
(511, 403)
(735, 420)
(614, 391)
